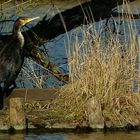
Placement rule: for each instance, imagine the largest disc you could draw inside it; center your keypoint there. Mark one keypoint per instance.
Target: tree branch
(125, 15)
(46, 30)
(40, 59)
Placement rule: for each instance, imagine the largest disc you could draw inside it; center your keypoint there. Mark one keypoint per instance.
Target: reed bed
(104, 66)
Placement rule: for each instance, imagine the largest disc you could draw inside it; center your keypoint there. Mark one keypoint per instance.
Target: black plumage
(11, 58)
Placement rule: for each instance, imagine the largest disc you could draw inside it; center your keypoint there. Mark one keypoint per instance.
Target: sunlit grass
(103, 64)
(105, 67)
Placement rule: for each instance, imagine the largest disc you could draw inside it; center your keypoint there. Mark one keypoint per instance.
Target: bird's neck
(16, 29)
(18, 36)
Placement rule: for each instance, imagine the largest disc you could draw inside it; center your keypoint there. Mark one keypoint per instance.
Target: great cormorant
(11, 58)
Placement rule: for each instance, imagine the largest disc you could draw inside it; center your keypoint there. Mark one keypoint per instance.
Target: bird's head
(21, 21)
(24, 20)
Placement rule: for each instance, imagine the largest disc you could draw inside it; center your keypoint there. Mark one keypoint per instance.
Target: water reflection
(108, 136)
(12, 137)
(72, 136)
(46, 137)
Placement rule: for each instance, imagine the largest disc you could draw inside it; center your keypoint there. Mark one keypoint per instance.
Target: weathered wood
(96, 119)
(34, 94)
(17, 114)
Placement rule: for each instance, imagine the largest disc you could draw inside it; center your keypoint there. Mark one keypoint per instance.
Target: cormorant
(11, 58)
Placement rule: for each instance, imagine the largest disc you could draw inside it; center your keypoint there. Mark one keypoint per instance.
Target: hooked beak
(27, 20)
(31, 19)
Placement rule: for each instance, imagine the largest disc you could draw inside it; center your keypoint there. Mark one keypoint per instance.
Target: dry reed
(105, 68)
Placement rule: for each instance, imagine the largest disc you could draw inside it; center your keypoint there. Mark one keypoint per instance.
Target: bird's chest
(11, 57)
(20, 40)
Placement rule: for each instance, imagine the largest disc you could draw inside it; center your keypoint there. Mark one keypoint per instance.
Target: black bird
(12, 58)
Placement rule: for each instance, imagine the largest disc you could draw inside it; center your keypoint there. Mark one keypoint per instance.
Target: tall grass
(105, 67)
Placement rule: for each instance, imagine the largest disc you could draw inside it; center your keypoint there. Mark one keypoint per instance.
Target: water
(74, 136)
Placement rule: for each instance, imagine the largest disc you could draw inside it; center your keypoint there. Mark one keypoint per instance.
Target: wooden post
(96, 119)
(138, 64)
(17, 114)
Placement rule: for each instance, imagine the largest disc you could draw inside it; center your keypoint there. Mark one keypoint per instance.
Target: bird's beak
(27, 20)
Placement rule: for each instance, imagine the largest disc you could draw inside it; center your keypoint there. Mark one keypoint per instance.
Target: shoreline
(39, 120)
(76, 129)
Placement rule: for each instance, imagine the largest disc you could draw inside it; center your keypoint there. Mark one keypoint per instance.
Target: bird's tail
(5, 92)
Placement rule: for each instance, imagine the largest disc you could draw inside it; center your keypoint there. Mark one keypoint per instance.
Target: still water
(73, 136)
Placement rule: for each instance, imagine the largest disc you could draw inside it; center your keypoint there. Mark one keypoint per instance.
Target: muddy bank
(39, 116)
